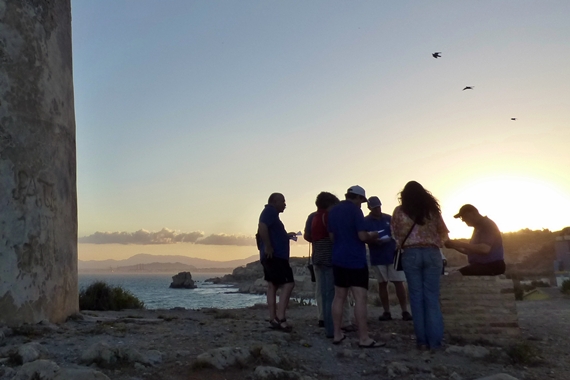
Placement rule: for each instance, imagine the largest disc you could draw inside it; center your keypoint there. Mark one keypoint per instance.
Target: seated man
(485, 250)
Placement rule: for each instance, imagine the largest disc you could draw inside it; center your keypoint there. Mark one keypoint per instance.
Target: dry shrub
(101, 296)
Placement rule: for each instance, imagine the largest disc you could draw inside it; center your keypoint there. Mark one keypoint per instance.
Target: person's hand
(292, 236)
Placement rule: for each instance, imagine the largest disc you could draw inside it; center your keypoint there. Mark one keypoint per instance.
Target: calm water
(154, 291)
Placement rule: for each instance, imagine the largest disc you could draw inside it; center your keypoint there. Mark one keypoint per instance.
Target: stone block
(478, 308)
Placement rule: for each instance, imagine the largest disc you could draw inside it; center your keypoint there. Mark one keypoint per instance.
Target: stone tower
(38, 198)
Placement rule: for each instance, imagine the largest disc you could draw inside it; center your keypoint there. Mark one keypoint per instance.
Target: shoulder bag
(400, 251)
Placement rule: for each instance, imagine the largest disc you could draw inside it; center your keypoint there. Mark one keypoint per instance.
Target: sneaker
(406, 316)
(321, 323)
(386, 316)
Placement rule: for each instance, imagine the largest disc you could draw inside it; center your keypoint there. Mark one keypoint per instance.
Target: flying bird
(513, 118)
(437, 54)
(468, 88)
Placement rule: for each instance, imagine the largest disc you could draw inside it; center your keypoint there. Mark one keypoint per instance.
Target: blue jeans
(422, 267)
(327, 296)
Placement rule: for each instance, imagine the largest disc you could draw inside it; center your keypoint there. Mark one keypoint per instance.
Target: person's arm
(468, 248)
(308, 228)
(263, 232)
(368, 237)
(361, 226)
(395, 226)
(442, 230)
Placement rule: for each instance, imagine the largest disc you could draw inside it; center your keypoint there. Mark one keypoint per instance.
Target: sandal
(349, 328)
(373, 344)
(340, 340)
(277, 324)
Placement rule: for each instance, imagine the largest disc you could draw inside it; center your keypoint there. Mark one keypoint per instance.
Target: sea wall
(38, 200)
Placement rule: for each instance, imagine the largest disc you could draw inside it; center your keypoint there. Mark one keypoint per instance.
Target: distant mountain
(145, 258)
(156, 268)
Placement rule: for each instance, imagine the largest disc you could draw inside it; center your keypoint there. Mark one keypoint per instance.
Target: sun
(513, 202)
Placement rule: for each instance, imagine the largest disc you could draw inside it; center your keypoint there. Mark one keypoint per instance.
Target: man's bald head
(277, 200)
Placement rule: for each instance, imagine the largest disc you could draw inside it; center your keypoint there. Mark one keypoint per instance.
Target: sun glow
(513, 203)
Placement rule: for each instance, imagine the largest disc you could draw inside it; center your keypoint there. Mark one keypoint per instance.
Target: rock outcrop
(183, 280)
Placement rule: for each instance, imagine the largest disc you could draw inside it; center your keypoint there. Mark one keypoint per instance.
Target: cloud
(164, 236)
(224, 239)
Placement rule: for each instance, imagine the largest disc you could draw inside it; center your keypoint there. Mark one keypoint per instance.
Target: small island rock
(182, 280)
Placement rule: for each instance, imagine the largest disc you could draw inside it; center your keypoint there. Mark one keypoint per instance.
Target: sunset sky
(190, 113)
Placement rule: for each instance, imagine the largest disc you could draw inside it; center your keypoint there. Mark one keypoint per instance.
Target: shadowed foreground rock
(237, 344)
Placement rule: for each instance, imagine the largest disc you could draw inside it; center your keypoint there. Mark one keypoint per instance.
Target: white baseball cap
(357, 190)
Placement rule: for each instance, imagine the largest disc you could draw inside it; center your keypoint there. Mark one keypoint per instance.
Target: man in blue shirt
(348, 232)
(382, 259)
(273, 244)
(485, 249)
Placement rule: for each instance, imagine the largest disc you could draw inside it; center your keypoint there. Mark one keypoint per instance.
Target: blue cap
(374, 202)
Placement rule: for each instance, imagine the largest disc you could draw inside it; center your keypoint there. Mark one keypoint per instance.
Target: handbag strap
(409, 232)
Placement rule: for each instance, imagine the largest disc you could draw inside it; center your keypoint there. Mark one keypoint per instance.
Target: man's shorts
(385, 273)
(277, 271)
(348, 277)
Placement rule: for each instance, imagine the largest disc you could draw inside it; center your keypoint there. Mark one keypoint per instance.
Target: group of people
(339, 233)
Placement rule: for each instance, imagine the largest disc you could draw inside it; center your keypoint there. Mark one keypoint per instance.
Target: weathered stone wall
(38, 199)
(479, 308)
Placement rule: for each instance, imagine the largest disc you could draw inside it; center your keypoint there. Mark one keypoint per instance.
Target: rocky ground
(237, 344)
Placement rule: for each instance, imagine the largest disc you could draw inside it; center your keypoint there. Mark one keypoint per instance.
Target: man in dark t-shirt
(273, 244)
(485, 249)
(348, 233)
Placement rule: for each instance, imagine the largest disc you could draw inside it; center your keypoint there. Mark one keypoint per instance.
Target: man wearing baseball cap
(485, 249)
(347, 230)
(382, 259)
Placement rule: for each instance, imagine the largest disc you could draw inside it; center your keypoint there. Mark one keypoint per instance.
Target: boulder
(397, 369)
(269, 354)
(224, 357)
(475, 352)
(274, 373)
(99, 353)
(106, 356)
(182, 280)
(498, 376)
(29, 352)
(39, 369)
(80, 373)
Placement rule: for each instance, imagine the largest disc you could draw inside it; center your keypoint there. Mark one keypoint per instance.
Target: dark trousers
(490, 269)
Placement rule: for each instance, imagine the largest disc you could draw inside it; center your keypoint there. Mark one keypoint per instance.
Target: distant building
(562, 262)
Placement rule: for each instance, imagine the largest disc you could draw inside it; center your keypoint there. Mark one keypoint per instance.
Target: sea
(154, 291)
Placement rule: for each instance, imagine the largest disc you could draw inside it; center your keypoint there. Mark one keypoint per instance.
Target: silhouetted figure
(468, 88)
(513, 118)
(485, 249)
(437, 54)
(273, 244)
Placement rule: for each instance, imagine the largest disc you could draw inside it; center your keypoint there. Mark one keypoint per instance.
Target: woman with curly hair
(418, 228)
